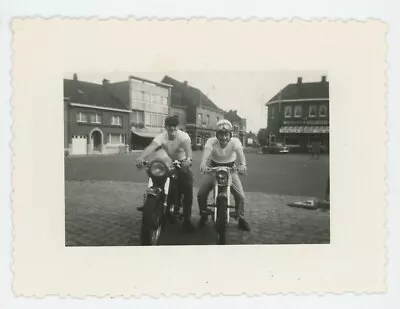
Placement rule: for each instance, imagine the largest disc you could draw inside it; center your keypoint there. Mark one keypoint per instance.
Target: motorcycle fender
(223, 194)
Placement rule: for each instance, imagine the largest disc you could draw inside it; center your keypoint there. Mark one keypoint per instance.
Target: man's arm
(187, 146)
(205, 156)
(241, 156)
(148, 150)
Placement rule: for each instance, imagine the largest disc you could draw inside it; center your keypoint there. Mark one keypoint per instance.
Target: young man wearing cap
(177, 145)
(223, 150)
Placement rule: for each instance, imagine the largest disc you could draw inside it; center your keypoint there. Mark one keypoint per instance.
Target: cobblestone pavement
(103, 213)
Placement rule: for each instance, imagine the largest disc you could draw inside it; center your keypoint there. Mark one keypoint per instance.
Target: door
(79, 145)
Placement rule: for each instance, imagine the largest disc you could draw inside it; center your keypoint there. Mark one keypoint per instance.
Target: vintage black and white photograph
(196, 158)
(161, 157)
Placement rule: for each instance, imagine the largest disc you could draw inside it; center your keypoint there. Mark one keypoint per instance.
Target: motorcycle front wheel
(222, 208)
(151, 222)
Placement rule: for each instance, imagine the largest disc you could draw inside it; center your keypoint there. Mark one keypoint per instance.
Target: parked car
(275, 148)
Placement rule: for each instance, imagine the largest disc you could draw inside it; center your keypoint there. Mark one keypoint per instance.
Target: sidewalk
(104, 213)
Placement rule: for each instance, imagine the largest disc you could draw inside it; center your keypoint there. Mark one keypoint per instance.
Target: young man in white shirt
(223, 150)
(177, 145)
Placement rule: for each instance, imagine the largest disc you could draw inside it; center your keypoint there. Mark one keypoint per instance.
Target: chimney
(299, 80)
(185, 83)
(75, 76)
(105, 82)
(323, 79)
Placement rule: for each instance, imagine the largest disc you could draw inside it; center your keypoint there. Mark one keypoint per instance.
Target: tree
(262, 137)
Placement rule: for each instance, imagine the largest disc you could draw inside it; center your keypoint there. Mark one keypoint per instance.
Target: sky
(246, 92)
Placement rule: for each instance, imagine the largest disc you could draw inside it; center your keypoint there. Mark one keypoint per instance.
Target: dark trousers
(183, 185)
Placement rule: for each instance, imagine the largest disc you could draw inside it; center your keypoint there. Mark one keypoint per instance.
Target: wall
(66, 128)
(213, 118)
(76, 128)
(280, 120)
(182, 115)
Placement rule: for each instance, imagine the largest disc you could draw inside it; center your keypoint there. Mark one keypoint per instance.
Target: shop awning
(304, 129)
(145, 134)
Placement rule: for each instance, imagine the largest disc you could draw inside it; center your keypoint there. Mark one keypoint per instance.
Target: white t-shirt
(223, 155)
(174, 148)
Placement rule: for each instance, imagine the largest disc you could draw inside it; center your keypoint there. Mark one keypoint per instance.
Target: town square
(108, 124)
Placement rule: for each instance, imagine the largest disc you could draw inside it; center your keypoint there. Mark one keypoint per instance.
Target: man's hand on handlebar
(242, 169)
(140, 163)
(204, 168)
(186, 163)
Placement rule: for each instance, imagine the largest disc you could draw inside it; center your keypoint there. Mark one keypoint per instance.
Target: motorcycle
(220, 209)
(162, 200)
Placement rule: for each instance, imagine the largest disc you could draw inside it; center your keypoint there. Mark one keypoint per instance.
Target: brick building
(201, 113)
(299, 114)
(149, 102)
(95, 121)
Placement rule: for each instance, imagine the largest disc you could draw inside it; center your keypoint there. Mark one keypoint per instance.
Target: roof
(192, 95)
(91, 94)
(298, 91)
(150, 81)
(121, 90)
(232, 116)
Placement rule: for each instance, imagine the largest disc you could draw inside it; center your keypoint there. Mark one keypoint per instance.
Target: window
(235, 129)
(147, 121)
(158, 99)
(146, 96)
(217, 119)
(323, 111)
(116, 139)
(200, 119)
(95, 118)
(141, 95)
(297, 111)
(116, 120)
(81, 117)
(288, 111)
(138, 117)
(153, 98)
(312, 112)
(160, 120)
(164, 100)
(153, 118)
(136, 95)
(208, 120)
(198, 140)
(272, 112)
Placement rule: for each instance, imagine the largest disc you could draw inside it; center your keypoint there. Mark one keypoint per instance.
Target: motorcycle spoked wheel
(152, 222)
(221, 223)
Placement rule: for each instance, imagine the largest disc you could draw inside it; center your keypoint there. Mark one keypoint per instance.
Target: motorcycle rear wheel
(222, 208)
(151, 222)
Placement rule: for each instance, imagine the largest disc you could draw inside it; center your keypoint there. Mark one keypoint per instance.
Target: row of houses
(118, 117)
(299, 114)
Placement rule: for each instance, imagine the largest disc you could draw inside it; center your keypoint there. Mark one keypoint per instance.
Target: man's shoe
(203, 220)
(243, 225)
(187, 226)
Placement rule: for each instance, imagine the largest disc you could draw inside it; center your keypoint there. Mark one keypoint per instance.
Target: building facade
(202, 114)
(239, 125)
(299, 114)
(95, 121)
(149, 103)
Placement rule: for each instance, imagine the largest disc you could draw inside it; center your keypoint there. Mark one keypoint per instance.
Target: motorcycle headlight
(222, 177)
(158, 169)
